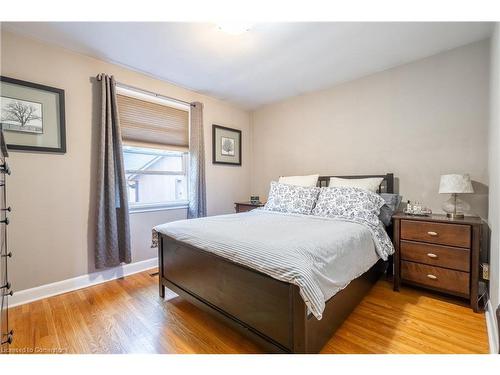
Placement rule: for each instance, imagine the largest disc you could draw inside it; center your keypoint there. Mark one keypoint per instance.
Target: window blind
(150, 124)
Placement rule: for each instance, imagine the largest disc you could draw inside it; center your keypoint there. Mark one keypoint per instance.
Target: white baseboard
(492, 327)
(43, 291)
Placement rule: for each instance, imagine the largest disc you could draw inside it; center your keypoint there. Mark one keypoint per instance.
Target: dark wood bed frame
(270, 311)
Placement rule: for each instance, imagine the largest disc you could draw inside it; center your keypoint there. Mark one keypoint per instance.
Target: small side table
(246, 206)
(438, 253)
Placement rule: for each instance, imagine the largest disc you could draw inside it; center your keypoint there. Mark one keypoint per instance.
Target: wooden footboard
(268, 310)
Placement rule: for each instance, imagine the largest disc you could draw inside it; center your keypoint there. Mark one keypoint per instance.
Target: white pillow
(309, 181)
(291, 198)
(371, 184)
(349, 203)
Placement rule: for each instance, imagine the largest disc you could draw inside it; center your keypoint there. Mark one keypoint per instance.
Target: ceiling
(270, 62)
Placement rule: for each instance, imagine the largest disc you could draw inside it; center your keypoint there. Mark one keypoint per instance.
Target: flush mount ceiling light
(234, 27)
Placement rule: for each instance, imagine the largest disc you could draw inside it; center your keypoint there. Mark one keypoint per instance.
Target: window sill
(157, 207)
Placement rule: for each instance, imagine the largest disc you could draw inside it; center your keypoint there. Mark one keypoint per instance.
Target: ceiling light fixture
(234, 27)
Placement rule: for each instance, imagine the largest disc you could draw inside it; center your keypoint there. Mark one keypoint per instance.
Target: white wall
(418, 120)
(140, 230)
(52, 196)
(494, 169)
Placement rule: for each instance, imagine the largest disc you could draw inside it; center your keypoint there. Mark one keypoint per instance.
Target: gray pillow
(392, 202)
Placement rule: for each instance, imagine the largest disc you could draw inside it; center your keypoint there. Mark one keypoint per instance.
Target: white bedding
(320, 255)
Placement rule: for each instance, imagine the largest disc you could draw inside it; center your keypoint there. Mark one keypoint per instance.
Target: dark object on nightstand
(254, 199)
(438, 253)
(247, 206)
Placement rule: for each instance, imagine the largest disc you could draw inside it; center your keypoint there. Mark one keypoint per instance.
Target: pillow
(291, 199)
(392, 202)
(349, 203)
(371, 184)
(311, 180)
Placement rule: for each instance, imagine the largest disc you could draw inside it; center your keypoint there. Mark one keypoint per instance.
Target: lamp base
(455, 207)
(452, 215)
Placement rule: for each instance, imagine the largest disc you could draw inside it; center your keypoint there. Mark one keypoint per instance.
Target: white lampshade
(455, 184)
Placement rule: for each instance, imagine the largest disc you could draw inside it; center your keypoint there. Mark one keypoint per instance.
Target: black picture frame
(214, 156)
(62, 120)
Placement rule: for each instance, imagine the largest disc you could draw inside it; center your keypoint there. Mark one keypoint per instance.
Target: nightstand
(438, 253)
(247, 206)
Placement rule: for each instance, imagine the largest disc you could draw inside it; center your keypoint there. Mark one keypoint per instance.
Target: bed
(225, 265)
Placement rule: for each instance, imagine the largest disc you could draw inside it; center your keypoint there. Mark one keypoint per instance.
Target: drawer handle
(431, 255)
(432, 233)
(432, 277)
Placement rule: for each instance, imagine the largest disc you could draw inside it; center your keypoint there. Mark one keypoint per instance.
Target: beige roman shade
(144, 123)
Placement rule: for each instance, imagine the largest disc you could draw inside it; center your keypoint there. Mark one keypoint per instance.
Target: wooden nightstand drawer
(439, 233)
(246, 206)
(436, 255)
(443, 279)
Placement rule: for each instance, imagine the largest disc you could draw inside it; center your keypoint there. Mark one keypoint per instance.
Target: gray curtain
(113, 231)
(197, 191)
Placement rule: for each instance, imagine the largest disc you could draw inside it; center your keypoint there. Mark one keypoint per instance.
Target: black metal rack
(7, 334)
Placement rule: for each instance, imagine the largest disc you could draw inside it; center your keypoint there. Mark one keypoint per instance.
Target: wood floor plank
(434, 333)
(127, 316)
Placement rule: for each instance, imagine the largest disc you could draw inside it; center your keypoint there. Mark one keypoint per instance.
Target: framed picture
(32, 116)
(226, 145)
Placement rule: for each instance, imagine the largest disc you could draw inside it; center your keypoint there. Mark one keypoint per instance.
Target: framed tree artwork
(32, 116)
(226, 145)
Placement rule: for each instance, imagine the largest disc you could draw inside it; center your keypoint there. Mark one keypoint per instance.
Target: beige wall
(418, 120)
(52, 234)
(494, 170)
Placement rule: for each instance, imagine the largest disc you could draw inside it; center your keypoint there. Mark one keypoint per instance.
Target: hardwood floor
(127, 316)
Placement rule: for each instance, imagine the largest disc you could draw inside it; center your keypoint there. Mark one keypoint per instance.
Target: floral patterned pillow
(291, 198)
(349, 203)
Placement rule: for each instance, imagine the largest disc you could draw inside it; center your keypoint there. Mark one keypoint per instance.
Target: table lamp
(455, 184)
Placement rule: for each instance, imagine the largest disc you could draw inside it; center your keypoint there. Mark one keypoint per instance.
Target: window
(155, 149)
(155, 178)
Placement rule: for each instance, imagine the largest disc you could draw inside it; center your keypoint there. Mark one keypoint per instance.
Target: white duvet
(320, 255)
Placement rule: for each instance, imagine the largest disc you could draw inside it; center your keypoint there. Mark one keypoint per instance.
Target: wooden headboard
(386, 186)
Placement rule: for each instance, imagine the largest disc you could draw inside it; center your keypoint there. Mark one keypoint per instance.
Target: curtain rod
(125, 86)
